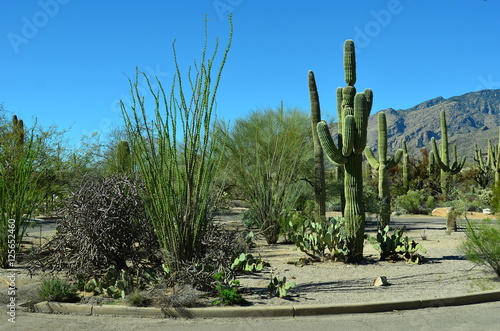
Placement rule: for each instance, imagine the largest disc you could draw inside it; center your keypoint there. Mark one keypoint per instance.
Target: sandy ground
(446, 273)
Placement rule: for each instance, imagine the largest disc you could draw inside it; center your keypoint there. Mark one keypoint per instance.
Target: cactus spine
(383, 164)
(319, 164)
(442, 159)
(353, 123)
(494, 158)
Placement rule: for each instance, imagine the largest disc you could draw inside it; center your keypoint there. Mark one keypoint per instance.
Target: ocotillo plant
(18, 187)
(356, 108)
(123, 157)
(442, 159)
(406, 167)
(494, 158)
(383, 164)
(319, 163)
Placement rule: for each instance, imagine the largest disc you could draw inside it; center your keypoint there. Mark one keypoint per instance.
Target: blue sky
(66, 62)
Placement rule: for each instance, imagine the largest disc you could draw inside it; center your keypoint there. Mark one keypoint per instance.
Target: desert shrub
(54, 289)
(104, 224)
(220, 247)
(411, 202)
(482, 243)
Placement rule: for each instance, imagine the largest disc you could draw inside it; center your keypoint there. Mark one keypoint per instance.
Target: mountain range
(472, 118)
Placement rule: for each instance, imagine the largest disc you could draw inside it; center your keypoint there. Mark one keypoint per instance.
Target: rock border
(263, 311)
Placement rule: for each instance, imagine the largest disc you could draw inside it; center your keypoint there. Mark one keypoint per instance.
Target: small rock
(380, 281)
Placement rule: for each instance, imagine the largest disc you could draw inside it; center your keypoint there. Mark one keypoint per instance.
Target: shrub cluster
(104, 225)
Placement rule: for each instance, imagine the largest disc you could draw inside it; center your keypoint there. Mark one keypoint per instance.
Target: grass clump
(482, 243)
(54, 289)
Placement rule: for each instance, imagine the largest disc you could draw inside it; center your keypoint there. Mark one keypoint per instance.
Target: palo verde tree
(267, 156)
(443, 160)
(356, 108)
(176, 153)
(383, 164)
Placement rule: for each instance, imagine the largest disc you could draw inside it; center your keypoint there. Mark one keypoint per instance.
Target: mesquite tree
(356, 108)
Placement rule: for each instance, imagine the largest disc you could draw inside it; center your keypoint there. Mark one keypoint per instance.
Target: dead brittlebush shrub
(104, 224)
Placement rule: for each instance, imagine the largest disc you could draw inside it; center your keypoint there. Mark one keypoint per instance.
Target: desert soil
(446, 272)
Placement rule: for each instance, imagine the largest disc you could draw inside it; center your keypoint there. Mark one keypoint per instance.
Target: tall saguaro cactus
(319, 163)
(442, 159)
(494, 158)
(383, 164)
(353, 123)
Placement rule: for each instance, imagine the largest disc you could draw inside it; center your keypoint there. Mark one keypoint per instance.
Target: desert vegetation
(140, 216)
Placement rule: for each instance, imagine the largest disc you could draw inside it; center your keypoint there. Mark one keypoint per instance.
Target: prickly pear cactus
(355, 109)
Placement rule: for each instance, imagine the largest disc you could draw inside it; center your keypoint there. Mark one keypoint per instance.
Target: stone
(380, 281)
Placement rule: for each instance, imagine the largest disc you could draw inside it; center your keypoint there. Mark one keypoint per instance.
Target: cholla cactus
(383, 164)
(353, 122)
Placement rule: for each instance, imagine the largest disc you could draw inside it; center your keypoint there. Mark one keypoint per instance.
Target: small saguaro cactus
(442, 159)
(494, 158)
(353, 124)
(383, 164)
(406, 167)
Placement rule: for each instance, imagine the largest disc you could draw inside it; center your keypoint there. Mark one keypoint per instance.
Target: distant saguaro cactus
(482, 175)
(356, 108)
(123, 157)
(442, 159)
(406, 167)
(383, 164)
(494, 158)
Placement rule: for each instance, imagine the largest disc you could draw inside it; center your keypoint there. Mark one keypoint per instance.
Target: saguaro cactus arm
(331, 151)
(394, 160)
(371, 158)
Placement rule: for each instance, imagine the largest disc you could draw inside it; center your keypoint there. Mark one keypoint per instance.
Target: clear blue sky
(66, 62)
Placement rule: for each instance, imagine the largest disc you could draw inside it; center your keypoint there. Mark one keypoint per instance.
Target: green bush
(54, 289)
(411, 202)
(482, 243)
